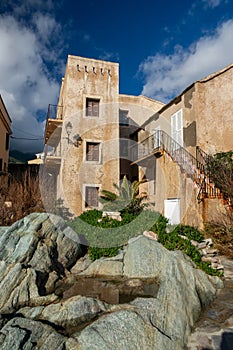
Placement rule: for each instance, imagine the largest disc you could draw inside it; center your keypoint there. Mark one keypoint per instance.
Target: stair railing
(195, 167)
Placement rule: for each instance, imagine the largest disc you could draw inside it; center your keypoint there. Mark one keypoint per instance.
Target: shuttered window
(92, 151)
(91, 197)
(92, 107)
(177, 128)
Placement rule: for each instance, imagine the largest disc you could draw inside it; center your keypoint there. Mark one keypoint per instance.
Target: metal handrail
(195, 167)
(55, 112)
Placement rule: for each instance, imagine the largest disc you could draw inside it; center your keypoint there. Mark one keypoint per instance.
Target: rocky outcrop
(35, 253)
(41, 259)
(214, 329)
(162, 322)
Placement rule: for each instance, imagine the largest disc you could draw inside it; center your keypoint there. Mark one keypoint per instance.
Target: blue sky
(162, 47)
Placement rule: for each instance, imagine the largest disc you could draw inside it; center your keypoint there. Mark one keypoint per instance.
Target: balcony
(53, 125)
(151, 146)
(53, 158)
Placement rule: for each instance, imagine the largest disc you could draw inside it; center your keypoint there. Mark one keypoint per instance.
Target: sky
(162, 47)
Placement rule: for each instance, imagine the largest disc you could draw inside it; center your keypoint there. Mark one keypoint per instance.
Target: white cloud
(212, 3)
(165, 76)
(27, 7)
(109, 56)
(46, 26)
(25, 82)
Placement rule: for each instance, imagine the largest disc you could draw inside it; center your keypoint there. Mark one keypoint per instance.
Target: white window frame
(177, 128)
(156, 140)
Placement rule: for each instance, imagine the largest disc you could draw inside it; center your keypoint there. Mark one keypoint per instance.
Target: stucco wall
(171, 183)
(207, 117)
(5, 123)
(214, 117)
(88, 78)
(207, 123)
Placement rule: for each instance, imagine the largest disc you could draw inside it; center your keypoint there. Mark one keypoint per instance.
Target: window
(92, 107)
(7, 142)
(91, 196)
(156, 137)
(177, 128)
(93, 151)
(0, 164)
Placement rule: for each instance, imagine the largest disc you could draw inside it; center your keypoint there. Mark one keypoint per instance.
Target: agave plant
(127, 195)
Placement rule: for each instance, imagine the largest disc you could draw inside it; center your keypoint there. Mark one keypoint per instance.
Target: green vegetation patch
(172, 240)
(106, 236)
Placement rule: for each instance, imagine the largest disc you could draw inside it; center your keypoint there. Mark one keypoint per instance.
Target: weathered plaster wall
(5, 123)
(87, 78)
(207, 123)
(172, 183)
(140, 107)
(214, 117)
(207, 117)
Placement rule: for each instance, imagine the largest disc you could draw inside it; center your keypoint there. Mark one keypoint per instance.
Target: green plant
(160, 225)
(220, 169)
(172, 241)
(127, 197)
(190, 232)
(97, 253)
(107, 236)
(108, 233)
(90, 216)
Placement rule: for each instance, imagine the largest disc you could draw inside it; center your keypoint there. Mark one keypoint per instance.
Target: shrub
(105, 242)
(96, 252)
(190, 232)
(91, 217)
(220, 169)
(172, 240)
(221, 231)
(160, 225)
(23, 196)
(106, 237)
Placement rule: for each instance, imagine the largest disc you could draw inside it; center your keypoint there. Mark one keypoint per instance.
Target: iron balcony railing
(55, 112)
(195, 168)
(161, 141)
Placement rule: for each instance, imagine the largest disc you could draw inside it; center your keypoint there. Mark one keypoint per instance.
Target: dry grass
(221, 231)
(18, 198)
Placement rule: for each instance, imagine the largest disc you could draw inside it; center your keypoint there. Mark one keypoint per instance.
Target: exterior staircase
(194, 167)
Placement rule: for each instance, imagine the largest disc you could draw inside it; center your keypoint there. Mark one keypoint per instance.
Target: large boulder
(35, 253)
(162, 322)
(39, 254)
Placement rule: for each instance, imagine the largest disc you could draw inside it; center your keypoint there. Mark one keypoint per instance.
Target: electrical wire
(24, 138)
(25, 132)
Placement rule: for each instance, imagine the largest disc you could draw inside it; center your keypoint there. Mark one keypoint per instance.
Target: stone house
(175, 142)
(5, 132)
(95, 136)
(87, 135)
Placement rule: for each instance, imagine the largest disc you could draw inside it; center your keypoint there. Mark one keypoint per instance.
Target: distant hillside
(20, 157)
